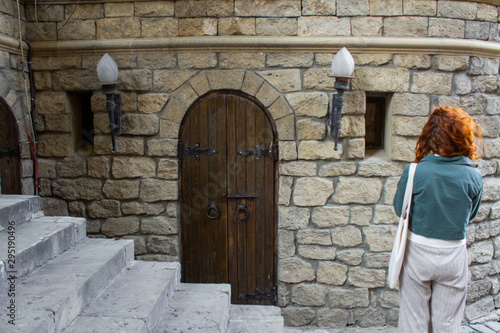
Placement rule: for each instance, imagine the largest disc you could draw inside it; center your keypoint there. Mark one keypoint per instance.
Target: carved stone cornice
(260, 44)
(272, 44)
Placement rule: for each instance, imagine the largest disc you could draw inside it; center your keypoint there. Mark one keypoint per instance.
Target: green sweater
(446, 196)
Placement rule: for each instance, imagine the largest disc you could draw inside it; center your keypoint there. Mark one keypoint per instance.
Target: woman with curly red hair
(447, 191)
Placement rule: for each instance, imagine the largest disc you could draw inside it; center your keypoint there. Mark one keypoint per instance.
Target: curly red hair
(448, 132)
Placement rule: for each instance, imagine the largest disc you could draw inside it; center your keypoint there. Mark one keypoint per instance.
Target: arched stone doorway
(228, 183)
(10, 164)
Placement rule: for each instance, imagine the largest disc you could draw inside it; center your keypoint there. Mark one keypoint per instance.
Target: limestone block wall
(12, 84)
(336, 222)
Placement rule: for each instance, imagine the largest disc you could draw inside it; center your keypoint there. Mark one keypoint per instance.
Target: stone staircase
(66, 282)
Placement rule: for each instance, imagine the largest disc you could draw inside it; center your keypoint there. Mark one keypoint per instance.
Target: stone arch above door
(250, 83)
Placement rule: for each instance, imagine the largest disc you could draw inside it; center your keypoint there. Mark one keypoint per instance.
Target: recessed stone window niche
(378, 133)
(82, 122)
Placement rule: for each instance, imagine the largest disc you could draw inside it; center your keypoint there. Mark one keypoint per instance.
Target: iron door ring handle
(212, 208)
(242, 208)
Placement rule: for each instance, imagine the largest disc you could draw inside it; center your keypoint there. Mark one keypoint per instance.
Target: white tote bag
(398, 250)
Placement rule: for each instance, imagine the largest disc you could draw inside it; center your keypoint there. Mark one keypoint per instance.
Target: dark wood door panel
(10, 163)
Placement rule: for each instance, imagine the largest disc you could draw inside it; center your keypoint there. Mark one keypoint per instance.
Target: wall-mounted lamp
(107, 71)
(342, 68)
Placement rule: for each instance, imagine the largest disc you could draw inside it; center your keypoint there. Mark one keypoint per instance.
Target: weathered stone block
(168, 169)
(121, 189)
(197, 27)
(337, 169)
(54, 145)
(158, 190)
(413, 61)
(402, 26)
(367, 26)
(483, 66)
(76, 30)
(169, 80)
(318, 79)
(118, 27)
(310, 191)
(315, 237)
(480, 252)
(54, 207)
(319, 150)
(361, 215)
(457, 9)
(366, 277)
(227, 79)
(352, 257)
(317, 252)
(285, 80)
(278, 8)
(309, 294)
(276, 26)
(330, 216)
(420, 8)
(78, 189)
(462, 83)
(288, 150)
(154, 8)
(479, 308)
(323, 26)
(285, 190)
(286, 127)
(118, 9)
(477, 30)
(321, 7)
(408, 126)
(120, 226)
(433, 83)
(386, 7)
(370, 316)
(333, 318)
(139, 208)
(136, 80)
(140, 124)
(103, 209)
(381, 79)
(349, 298)
(485, 84)
(131, 167)
(159, 225)
(403, 148)
(71, 168)
(293, 218)
(380, 168)
(57, 123)
(51, 102)
(242, 61)
(159, 27)
(46, 168)
(380, 238)
(487, 12)
(348, 236)
(280, 109)
(197, 60)
(151, 103)
(352, 126)
(298, 59)
(294, 270)
(313, 104)
(298, 316)
(124, 145)
(472, 104)
(311, 129)
(440, 27)
(39, 31)
(490, 125)
(236, 26)
(286, 246)
(162, 244)
(44, 13)
(154, 60)
(163, 147)
(358, 190)
(298, 168)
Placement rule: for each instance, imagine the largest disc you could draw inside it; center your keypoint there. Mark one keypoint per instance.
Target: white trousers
(433, 289)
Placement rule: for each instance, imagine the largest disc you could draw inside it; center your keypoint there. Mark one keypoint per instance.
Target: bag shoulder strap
(409, 188)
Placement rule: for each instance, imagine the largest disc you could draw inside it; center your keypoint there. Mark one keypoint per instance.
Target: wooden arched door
(228, 153)
(10, 164)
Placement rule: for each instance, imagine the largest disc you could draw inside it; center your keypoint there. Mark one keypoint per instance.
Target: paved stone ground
(487, 327)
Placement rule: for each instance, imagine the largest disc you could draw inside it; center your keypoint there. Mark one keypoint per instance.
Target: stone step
(197, 308)
(52, 296)
(133, 302)
(255, 318)
(18, 209)
(33, 243)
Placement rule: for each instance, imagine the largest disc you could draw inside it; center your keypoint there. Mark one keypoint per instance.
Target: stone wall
(12, 84)
(336, 221)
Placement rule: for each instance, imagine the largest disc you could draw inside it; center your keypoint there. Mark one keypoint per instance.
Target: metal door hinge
(260, 296)
(272, 152)
(10, 152)
(195, 150)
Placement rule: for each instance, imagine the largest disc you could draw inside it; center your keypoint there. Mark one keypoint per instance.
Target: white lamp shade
(107, 69)
(342, 63)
